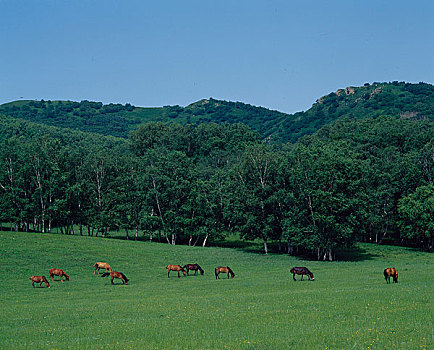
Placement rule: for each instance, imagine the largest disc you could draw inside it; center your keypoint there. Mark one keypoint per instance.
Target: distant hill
(398, 99)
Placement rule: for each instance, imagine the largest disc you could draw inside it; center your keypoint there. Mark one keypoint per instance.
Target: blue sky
(281, 55)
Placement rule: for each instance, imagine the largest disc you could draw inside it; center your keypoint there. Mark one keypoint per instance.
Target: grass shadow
(354, 254)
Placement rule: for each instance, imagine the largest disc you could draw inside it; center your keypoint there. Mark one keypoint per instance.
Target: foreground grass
(348, 306)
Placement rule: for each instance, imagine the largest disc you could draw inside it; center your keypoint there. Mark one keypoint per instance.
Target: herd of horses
(303, 271)
(195, 267)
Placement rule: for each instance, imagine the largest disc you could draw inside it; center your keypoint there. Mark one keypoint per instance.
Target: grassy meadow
(348, 306)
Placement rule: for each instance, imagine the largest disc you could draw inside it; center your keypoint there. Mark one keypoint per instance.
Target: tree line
(355, 180)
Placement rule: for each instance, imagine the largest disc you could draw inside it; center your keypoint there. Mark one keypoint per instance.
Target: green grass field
(348, 306)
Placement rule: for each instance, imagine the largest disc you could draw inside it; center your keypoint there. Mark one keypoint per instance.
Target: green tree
(325, 180)
(255, 205)
(416, 216)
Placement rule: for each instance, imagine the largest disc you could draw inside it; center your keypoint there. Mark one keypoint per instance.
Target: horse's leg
(112, 280)
(293, 277)
(178, 273)
(302, 277)
(168, 273)
(33, 284)
(61, 278)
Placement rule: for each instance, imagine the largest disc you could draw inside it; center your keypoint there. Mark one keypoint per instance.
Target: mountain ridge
(398, 99)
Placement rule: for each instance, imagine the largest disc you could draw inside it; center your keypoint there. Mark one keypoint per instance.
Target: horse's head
(184, 272)
(67, 277)
(312, 278)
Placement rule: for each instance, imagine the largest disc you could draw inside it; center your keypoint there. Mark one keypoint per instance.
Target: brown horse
(391, 271)
(101, 265)
(58, 272)
(193, 267)
(40, 280)
(175, 268)
(115, 274)
(223, 269)
(301, 271)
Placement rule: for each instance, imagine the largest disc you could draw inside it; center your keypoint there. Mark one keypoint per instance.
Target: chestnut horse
(193, 267)
(101, 265)
(224, 269)
(40, 280)
(301, 271)
(58, 272)
(391, 271)
(175, 268)
(115, 274)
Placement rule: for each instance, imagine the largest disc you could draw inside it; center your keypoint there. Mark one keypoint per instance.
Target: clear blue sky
(281, 55)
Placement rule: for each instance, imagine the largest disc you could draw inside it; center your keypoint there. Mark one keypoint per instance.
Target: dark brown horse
(40, 280)
(193, 267)
(58, 272)
(391, 271)
(223, 269)
(101, 265)
(301, 271)
(115, 274)
(175, 268)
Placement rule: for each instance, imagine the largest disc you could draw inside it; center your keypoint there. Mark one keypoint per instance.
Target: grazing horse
(224, 269)
(40, 280)
(58, 272)
(115, 274)
(391, 271)
(101, 265)
(194, 267)
(301, 271)
(175, 268)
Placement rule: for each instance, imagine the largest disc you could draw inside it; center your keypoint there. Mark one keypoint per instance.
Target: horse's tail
(124, 277)
(216, 271)
(105, 274)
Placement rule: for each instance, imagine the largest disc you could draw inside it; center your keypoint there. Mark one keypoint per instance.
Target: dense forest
(362, 173)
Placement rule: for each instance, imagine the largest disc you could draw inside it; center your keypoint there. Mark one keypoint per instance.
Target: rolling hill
(398, 99)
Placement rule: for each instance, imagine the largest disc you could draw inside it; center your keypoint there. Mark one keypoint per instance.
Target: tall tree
(416, 216)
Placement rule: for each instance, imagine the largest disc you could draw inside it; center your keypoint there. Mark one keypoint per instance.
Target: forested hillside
(368, 179)
(397, 99)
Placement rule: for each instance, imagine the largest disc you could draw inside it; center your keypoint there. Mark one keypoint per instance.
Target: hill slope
(398, 99)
